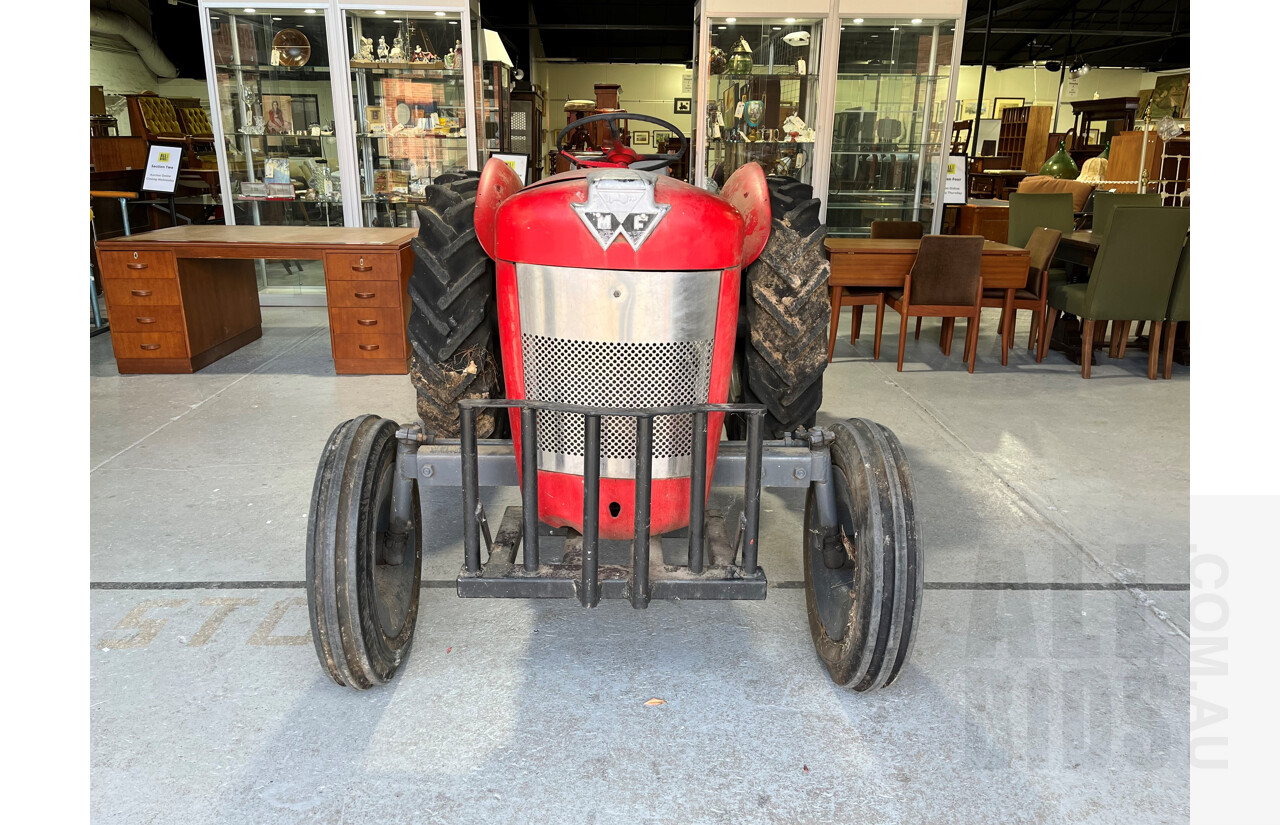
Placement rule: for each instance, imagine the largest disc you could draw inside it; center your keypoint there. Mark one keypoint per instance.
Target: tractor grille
(613, 374)
(616, 339)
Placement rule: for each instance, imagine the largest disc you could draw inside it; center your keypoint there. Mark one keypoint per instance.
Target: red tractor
(615, 300)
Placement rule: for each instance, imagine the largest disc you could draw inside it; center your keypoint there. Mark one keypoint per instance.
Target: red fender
(497, 183)
(748, 192)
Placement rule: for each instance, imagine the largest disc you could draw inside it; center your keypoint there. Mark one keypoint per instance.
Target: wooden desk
(867, 262)
(181, 298)
(1079, 249)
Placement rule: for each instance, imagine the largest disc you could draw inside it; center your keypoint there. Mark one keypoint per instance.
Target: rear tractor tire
(788, 309)
(362, 595)
(864, 598)
(452, 328)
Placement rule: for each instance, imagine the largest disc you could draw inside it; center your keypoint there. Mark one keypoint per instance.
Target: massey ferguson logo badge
(620, 207)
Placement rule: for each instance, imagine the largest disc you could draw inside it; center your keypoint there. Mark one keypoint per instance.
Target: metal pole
(529, 485)
(982, 80)
(591, 514)
(698, 492)
(470, 490)
(751, 495)
(644, 495)
(943, 139)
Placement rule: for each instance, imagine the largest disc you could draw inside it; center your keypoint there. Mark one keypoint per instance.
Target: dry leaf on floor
(656, 701)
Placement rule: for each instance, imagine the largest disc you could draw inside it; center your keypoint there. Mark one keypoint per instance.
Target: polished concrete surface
(1048, 682)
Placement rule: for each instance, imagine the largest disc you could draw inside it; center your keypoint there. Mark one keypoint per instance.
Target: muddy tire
(864, 599)
(452, 318)
(788, 309)
(363, 609)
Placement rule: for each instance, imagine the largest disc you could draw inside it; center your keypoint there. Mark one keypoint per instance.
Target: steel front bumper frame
(803, 461)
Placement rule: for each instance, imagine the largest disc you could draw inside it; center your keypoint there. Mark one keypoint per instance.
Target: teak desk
(873, 262)
(181, 298)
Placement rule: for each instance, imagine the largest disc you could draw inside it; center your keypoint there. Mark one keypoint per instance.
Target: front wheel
(864, 599)
(363, 578)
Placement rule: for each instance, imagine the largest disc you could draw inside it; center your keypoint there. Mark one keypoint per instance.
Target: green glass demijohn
(1106, 153)
(1061, 165)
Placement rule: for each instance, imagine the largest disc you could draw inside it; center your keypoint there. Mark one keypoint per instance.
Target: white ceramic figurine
(383, 50)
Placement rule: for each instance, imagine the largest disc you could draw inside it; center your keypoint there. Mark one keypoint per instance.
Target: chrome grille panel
(606, 338)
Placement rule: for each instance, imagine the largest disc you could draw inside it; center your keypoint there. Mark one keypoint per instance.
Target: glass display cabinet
(341, 113)
(757, 97)
(855, 97)
(273, 110)
(891, 122)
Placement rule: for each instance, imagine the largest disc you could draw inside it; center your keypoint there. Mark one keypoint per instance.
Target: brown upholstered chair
(945, 282)
(842, 297)
(1042, 246)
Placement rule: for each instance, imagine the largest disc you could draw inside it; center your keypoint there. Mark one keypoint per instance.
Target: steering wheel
(619, 155)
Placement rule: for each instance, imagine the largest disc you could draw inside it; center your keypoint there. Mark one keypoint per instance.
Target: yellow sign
(163, 157)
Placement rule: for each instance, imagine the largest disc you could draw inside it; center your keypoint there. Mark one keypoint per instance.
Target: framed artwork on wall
(684, 105)
(660, 138)
(639, 138)
(1002, 103)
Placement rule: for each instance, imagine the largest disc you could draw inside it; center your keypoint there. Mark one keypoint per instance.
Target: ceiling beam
(972, 25)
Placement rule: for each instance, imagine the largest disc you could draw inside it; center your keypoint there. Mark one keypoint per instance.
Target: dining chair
(944, 282)
(857, 298)
(1034, 295)
(1027, 210)
(1131, 279)
(1105, 204)
(1179, 307)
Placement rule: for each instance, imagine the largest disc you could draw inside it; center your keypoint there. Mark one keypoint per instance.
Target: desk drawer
(343, 266)
(364, 293)
(142, 263)
(149, 344)
(141, 292)
(368, 345)
(147, 319)
(385, 320)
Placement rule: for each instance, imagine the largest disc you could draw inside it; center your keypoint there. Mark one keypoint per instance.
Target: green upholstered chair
(1042, 246)
(1179, 307)
(1029, 210)
(944, 282)
(1131, 279)
(1105, 204)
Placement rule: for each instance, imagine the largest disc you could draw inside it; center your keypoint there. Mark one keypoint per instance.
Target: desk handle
(363, 294)
(366, 322)
(141, 293)
(368, 347)
(136, 266)
(145, 320)
(361, 267)
(149, 347)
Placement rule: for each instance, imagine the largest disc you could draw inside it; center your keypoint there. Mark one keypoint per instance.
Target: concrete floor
(1048, 682)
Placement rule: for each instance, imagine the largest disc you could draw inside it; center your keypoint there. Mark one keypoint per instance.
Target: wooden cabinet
(182, 298)
(1024, 136)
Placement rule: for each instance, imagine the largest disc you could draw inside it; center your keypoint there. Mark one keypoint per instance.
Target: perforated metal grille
(519, 131)
(613, 374)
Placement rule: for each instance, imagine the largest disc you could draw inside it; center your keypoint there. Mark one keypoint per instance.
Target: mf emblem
(620, 206)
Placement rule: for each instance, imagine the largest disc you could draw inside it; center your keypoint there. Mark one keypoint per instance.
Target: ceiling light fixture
(277, 18)
(453, 22)
(791, 20)
(857, 21)
(310, 11)
(250, 11)
(916, 21)
(379, 11)
(439, 14)
(731, 20)
(722, 28)
(777, 28)
(893, 28)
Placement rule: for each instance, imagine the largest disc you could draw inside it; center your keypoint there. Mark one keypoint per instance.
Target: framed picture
(518, 163)
(639, 138)
(1002, 103)
(684, 105)
(660, 138)
(277, 114)
(1170, 95)
(969, 109)
(373, 115)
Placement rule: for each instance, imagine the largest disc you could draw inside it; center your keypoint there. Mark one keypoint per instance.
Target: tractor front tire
(451, 318)
(864, 604)
(788, 309)
(363, 609)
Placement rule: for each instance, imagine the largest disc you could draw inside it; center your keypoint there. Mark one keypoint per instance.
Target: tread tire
(788, 310)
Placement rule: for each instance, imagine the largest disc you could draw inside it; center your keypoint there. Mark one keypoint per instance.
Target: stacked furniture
(1024, 136)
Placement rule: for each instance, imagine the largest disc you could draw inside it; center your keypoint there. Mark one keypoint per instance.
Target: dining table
(883, 263)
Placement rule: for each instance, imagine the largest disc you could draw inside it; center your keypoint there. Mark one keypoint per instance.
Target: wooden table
(181, 298)
(1078, 250)
(875, 263)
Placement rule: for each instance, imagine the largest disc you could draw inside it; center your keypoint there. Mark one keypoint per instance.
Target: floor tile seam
(194, 407)
(1028, 501)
